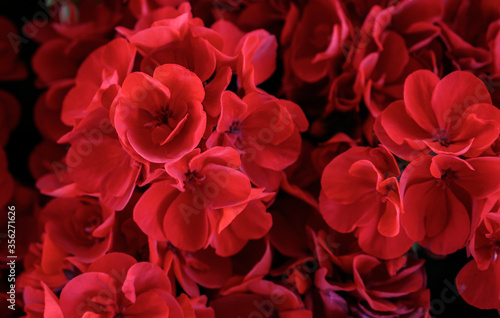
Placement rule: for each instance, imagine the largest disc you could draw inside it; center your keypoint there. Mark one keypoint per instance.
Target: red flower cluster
(257, 158)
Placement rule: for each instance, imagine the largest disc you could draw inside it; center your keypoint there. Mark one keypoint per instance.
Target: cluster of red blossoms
(246, 158)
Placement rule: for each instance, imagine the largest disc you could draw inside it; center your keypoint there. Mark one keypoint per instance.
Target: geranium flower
(160, 118)
(116, 284)
(265, 130)
(360, 192)
(441, 196)
(450, 116)
(207, 194)
(483, 272)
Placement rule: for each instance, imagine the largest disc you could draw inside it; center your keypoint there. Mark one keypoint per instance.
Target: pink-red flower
(442, 198)
(160, 118)
(360, 192)
(451, 116)
(266, 132)
(116, 284)
(206, 194)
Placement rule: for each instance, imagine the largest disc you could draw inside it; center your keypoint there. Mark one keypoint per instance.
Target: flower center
(235, 128)
(192, 179)
(165, 118)
(442, 138)
(89, 228)
(446, 177)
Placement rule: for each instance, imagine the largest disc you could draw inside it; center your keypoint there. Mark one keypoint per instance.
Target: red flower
(328, 150)
(252, 55)
(206, 196)
(97, 80)
(441, 196)
(116, 284)
(394, 288)
(449, 116)
(160, 118)
(173, 36)
(265, 130)
(360, 192)
(41, 302)
(483, 272)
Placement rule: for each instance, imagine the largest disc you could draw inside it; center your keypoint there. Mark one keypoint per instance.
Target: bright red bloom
(160, 118)
(265, 130)
(116, 284)
(450, 116)
(173, 36)
(207, 195)
(360, 192)
(441, 198)
(483, 272)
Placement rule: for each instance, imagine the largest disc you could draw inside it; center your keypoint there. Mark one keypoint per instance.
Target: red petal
(142, 277)
(186, 222)
(480, 288)
(183, 84)
(223, 186)
(454, 94)
(150, 210)
(418, 90)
